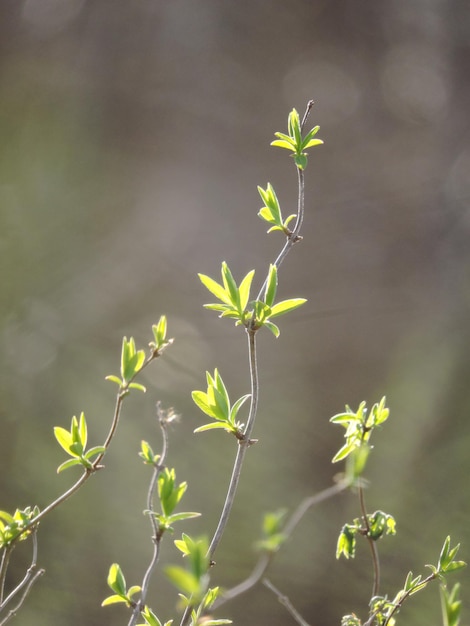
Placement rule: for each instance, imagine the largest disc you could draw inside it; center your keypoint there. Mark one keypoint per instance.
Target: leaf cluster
(271, 211)
(235, 299)
(193, 581)
(117, 583)
(359, 426)
(12, 527)
(294, 141)
(378, 524)
(74, 442)
(170, 493)
(384, 610)
(215, 403)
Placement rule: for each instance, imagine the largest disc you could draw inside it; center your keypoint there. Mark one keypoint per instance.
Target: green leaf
(159, 333)
(451, 605)
(6, 517)
(137, 386)
(236, 407)
(213, 425)
(178, 517)
(281, 308)
(115, 379)
(95, 450)
(313, 142)
(217, 290)
(281, 143)
(151, 619)
(244, 289)
(273, 328)
(185, 581)
(66, 464)
(200, 398)
(116, 580)
(344, 452)
(133, 590)
(114, 599)
(301, 160)
(346, 542)
(271, 286)
(271, 212)
(231, 286)
(64, 438)
(82, 430)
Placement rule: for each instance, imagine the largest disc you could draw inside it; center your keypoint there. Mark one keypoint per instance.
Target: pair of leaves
(235, 299)
(160, 342)
(294, 141)
(273, 537)
(147, 454)
(132, 361)
(216, 403)
(117, 583)
(271, 211)
(74, 442)
(151, 619)
(451, 605)
(192, 582)
(170, 494)
(12, 527)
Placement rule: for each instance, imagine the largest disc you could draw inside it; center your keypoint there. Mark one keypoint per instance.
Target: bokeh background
(133, 135)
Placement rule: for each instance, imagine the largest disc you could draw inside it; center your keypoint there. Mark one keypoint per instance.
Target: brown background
(133, 135)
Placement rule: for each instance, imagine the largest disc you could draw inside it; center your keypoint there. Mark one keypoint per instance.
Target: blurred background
(133, 135)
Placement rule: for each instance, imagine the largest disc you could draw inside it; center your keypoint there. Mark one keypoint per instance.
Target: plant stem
(243, 445)
(156, 535)
(372, 544)
(266, 558)
(29, 579)
(284, 600)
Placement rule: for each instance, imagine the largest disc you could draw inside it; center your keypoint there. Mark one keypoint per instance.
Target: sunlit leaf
(285, 306)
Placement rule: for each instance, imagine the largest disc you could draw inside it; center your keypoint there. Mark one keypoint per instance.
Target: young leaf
(271, 287)
(116, 580)
(217, 290)
(281, 308)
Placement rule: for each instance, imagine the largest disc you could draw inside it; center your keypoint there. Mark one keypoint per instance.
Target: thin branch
(292, 238)
(243, 445)
(310, 104)
(372, 544)
(284, 600)
(247, 584)
(3, 569)
(156, 534)
(266, 559)
(29, 579)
